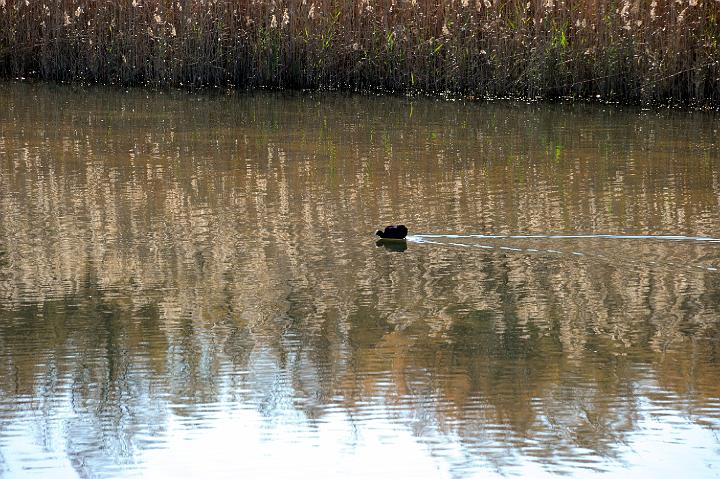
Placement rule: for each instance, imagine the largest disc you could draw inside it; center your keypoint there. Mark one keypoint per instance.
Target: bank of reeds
(626, 50)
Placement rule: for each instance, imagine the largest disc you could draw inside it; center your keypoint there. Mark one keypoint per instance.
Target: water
(189, 286)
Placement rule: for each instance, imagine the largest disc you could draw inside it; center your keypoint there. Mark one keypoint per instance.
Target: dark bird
(393, 232)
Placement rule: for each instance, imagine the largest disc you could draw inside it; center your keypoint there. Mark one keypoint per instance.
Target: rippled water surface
(190, 287)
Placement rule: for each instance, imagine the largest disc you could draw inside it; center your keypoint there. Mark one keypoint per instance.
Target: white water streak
(585, 236)
(428, 239)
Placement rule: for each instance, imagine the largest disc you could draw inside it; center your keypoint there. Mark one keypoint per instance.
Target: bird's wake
(447, 240)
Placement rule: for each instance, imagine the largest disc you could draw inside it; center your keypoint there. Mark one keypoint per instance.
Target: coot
(393, 232)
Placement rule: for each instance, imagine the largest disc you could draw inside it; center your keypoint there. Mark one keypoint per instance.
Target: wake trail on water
(434, 239)
(584, 236)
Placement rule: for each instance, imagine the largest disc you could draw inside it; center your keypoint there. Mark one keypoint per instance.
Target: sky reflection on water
(189, 285)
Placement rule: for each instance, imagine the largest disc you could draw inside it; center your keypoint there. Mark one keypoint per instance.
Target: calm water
(190, 287)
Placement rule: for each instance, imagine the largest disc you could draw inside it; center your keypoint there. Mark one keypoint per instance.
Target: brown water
(190, 287)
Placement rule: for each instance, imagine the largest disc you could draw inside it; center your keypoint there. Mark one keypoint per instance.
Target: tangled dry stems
(631, 51)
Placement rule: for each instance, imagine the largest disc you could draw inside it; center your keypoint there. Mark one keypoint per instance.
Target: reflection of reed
(211, 233)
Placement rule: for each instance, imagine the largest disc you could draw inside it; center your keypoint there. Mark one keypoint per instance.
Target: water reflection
(191, 273)
(392, 245)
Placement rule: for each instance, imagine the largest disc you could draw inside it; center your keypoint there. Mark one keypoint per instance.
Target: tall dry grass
(627, 50)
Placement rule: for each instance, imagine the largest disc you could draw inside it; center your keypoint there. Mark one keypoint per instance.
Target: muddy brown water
(190, 287)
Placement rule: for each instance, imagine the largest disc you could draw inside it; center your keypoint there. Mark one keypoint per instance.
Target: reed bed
(637, 51)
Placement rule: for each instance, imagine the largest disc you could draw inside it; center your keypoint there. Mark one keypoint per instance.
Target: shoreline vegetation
(628, 51)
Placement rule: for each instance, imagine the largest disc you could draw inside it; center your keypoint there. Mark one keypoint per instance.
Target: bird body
(398, 232)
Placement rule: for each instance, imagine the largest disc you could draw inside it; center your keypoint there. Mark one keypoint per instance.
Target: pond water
(190, 287)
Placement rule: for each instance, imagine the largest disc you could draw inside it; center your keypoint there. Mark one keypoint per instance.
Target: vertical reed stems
(623, 50)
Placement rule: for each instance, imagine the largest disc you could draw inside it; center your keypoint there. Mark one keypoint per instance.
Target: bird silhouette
(393, 232)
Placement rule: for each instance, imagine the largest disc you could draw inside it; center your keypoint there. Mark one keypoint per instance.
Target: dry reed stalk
(626, 50)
